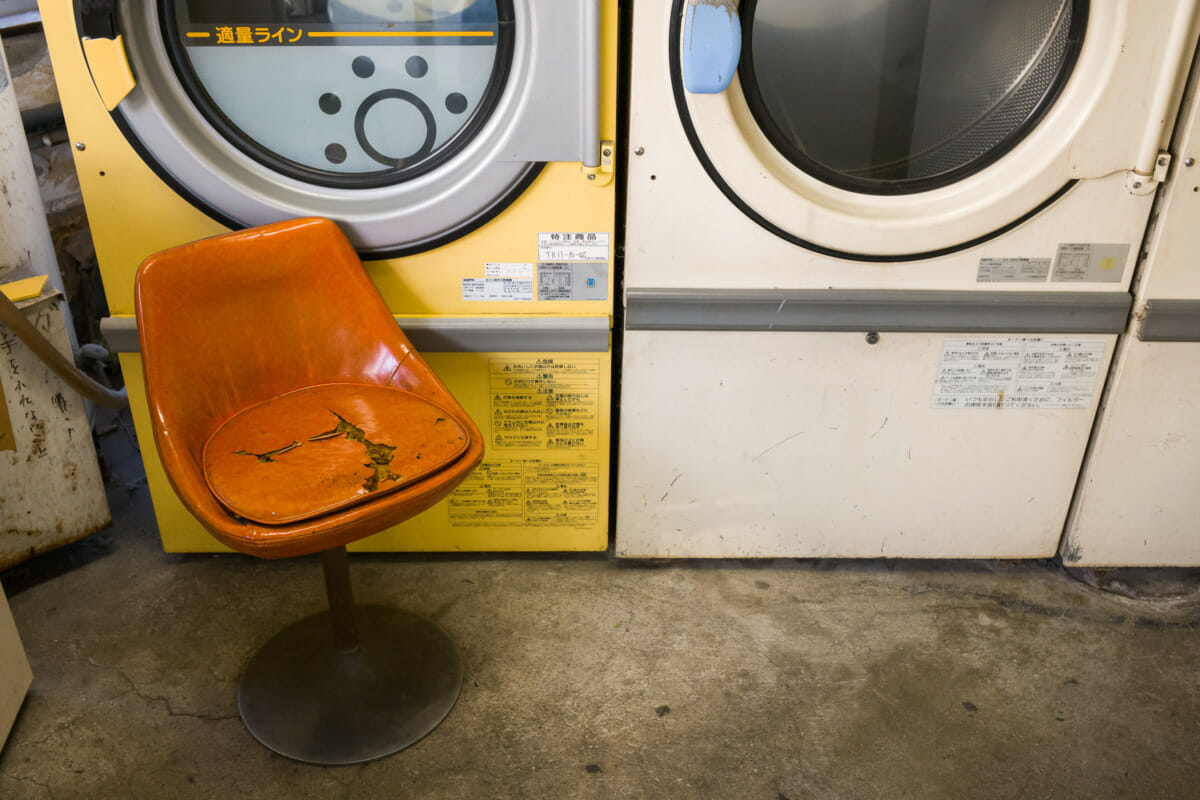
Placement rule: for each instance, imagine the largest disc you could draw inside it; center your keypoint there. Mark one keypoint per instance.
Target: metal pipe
(25, 245)
(48, 354)
(341, 598)
(591, 36)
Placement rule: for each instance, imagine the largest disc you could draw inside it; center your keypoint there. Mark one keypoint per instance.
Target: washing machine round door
(386, 116)
(889, 129)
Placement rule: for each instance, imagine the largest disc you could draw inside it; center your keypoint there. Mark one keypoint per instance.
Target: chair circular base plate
(305, 700)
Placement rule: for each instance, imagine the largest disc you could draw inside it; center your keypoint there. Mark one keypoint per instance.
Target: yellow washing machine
(467, 149)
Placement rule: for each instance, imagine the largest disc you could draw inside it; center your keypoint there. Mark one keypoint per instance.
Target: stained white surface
(820, 444)
(809, 444)
(1139, 493)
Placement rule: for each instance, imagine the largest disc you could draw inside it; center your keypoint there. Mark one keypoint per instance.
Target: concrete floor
(589, 678)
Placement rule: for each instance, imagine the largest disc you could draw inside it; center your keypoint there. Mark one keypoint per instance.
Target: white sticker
(1083, 263)
(573, 247)
(566, 280)
(506, 270)
(1012, 270)
(496, 289)
(1018, 372)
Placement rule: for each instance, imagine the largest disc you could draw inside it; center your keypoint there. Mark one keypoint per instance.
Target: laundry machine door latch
(110, 70)
(602, 175)
(1137, 183)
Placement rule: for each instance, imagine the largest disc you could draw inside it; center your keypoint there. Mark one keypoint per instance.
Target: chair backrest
(237, 319)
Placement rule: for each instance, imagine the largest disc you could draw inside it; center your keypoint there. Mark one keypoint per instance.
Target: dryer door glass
(899, 96)
(343, 92)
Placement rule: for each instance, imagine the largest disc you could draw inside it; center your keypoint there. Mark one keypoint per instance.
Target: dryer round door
(896, 129)
(386, 116)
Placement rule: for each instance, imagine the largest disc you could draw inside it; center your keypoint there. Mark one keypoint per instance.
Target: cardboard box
(15, 675)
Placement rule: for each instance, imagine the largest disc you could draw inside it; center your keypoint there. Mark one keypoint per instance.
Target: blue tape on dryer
(712, 45)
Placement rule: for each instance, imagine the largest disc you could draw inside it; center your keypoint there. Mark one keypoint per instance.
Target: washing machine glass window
(343, 93)
(902, 96)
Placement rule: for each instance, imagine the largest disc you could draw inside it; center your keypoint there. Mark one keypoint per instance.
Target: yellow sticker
(1108, 263)
(545, 403)
(528, 493)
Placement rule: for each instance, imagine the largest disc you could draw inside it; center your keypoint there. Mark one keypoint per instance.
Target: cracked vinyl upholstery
(298, 456)
(234, 326)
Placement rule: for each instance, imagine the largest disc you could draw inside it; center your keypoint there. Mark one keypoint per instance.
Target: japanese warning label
(545, 403)
(1018, 372)
(1012, 270)
(572, 246)
(528, 493)
(564, 280)
(496, 289)
(1077, 263)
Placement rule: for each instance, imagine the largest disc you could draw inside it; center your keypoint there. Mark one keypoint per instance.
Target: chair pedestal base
(304, 699)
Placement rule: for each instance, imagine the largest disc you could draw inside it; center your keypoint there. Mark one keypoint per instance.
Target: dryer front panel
(901, 130)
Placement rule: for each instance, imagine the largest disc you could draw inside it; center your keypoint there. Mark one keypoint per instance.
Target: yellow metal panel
(24, 288)
(133, 213)
(543, 484)
(110, 69)
(540, 495)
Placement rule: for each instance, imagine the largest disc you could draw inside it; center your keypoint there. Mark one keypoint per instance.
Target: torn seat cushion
(324, 448)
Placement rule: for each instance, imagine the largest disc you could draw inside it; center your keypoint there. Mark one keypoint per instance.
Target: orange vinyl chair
(293, 416)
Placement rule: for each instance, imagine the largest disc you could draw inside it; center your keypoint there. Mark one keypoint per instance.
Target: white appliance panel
(1138, 496)
(739, 440)
(1138, 502)
(820, 444)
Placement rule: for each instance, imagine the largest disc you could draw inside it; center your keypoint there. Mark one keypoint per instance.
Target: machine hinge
(603, 174)
(1137, 183)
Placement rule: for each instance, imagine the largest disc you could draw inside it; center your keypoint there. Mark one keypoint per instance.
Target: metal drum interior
(901, 96)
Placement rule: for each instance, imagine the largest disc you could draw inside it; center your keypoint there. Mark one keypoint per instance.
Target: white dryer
(1137, 503)
(878, 254)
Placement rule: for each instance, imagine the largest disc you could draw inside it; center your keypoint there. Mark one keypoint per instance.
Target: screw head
(1162, 162)
(80, 146)
(591, 176)
(607, 152)
(641, 151)
(1191, 162)
(1137, 184)
(872, 338)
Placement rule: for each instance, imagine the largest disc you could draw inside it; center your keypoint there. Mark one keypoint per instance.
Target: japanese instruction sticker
(528, 493)
(1087, 263)
(1019, 372)
(564, 280)
(496, 289)
(1012, 270)
(545, 403)
(573, 247)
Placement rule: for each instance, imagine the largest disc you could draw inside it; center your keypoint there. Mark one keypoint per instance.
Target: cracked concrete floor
(589, 678)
